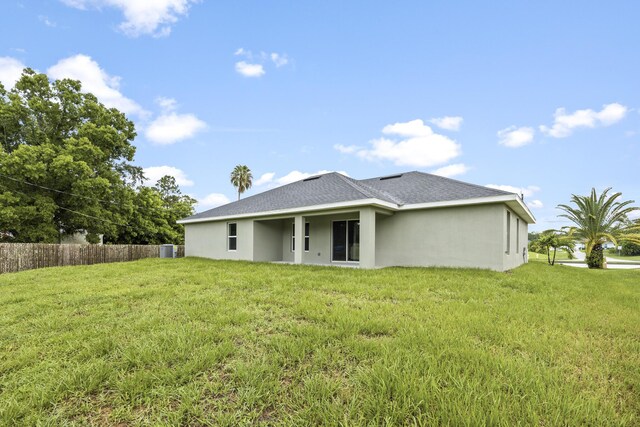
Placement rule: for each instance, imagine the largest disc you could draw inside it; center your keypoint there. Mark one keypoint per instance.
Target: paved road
(623, 263)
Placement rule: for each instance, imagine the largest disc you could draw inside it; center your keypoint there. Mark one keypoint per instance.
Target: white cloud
(279, 59)
(346, 149)
(170, 128)
(95, 80)
(212, 200)
(514, 137)
(564, 123)
(10, 71)
(265, 178)
(451, 170)
(448, 122)
(154, 173)
(535, 204)
(46, 21)
(525, 191)
(420, 146)
(249, 70)
(167, 104)
(142, 17)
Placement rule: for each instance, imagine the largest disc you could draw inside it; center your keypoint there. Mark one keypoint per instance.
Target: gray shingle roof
(400, 189)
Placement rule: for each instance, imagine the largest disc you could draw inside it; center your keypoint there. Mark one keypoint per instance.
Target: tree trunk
(554, 256)
(595, 259)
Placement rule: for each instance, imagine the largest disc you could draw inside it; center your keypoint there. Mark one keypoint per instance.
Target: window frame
(230, 237)
(307, 240)
(508, 250)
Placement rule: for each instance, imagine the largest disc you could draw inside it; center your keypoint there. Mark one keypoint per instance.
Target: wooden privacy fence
(26, 256)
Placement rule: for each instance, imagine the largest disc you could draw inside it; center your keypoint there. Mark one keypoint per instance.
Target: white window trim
(292, 242)
(229, 237)
(508, 249)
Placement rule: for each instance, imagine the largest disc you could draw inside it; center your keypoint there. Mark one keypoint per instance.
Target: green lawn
(560, 256)
(200, 342)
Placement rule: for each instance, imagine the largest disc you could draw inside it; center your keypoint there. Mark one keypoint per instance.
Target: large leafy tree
(241, 178)
(601, 218)
(65, 161)
(153, 215)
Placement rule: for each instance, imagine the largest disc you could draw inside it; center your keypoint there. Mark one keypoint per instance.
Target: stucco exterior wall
(267, 237)
(319, 238)
(464, 236)
(209, 240)
(518, 236)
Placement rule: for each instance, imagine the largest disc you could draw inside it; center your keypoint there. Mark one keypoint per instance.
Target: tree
(599, 219)
(153, 214)
(241, 178)
(554, 239)
(65, 161)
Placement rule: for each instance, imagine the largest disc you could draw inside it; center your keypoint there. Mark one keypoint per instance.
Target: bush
(630, 249)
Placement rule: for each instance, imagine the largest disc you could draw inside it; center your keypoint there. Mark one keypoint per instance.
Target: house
(407, 219)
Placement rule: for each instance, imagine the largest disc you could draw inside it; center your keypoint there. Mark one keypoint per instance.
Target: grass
(614, 255)
(561, 255)
(201, 342)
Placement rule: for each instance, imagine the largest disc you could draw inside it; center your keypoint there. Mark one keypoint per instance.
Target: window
(508, 232)
(306, 237)
(346, 241)
(517, 235)
(232, 236)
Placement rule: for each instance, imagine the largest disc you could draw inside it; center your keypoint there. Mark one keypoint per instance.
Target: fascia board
(314, 208)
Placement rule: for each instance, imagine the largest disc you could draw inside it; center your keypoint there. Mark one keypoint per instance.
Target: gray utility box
(168, 251)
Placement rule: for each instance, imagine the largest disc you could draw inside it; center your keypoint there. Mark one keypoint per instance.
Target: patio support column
(367, 238)
(299, 250)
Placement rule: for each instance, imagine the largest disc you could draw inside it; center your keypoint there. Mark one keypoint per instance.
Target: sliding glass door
(346, 241)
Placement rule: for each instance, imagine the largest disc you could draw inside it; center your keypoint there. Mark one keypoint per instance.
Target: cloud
(265, 178)
(170, 127)
(564, 123)
(525, 191)
(418, 146)
(448, 122)
(154, 173)
(279, 59)
(166, 104)
(451, 170)
(344, 149)
(535, 204)
(10, 71)
(95, 80)
(514, 137)
(46, 21)
(212, 200)
(249, 70)
(142, 17)
(254, 64)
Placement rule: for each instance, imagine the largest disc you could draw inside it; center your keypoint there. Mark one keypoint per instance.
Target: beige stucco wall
(518, 237)
(209, 240)
(464, 236)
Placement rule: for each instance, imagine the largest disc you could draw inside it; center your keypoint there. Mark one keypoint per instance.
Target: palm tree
(241, 178)
(600, 219)
(554, 239)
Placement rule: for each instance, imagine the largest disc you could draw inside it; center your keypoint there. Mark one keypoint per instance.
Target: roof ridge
(356, 185)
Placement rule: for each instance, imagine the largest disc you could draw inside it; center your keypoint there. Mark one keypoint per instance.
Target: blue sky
(539, 96)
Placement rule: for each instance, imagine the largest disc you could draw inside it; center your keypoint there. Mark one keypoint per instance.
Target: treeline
(66, 166)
